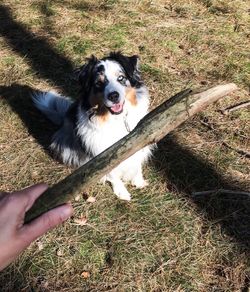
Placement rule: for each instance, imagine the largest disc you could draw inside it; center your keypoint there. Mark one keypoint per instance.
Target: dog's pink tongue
(117, 107)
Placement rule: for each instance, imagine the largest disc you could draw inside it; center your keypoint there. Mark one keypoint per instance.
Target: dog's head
(107, 83)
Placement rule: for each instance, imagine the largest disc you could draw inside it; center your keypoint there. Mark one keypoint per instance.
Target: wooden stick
(238, 150)
(153, 127)
(235, 107)
(224, 143)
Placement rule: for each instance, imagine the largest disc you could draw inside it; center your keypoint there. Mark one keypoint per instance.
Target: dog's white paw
(123, 195)
(139, 183)
(119, 189)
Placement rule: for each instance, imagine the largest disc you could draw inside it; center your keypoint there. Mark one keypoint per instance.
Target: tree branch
(152, 128)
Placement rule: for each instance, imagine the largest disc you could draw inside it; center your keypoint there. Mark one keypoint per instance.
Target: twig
(153, 127)
(220, 191)
(238, 150)
(209, 126)
(235, 107)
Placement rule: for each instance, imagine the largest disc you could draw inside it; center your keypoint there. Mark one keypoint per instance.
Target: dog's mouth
(116, 108)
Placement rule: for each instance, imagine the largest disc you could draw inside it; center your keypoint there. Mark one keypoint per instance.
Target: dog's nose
(113, 96)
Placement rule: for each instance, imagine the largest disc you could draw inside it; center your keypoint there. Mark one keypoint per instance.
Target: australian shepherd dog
(112, 101)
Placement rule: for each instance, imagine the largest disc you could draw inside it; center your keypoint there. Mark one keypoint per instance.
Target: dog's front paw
(123, 195)
(139, 183)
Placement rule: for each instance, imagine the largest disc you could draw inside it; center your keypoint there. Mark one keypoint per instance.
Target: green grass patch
(153, 72)
(9, 60)
(46, 8)
(171, 45)
(116, 36)
(74, 44)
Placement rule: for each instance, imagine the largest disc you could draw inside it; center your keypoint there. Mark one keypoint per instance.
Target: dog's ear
(84, 74)
(130, 66)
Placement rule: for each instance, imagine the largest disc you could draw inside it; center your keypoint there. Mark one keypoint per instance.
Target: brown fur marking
(101, 111)
(103, 114)
(131, 96)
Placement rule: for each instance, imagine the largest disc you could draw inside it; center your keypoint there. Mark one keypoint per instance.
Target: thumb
(46, 221)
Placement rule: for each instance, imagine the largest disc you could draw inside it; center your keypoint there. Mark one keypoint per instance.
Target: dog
(113, 99)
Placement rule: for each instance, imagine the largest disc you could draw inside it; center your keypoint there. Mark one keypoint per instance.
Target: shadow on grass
(47, 64)
(186, 173)
(19, 98)
(45, 61)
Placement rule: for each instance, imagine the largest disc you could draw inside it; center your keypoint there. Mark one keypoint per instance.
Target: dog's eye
(121, 78)
(99, 83)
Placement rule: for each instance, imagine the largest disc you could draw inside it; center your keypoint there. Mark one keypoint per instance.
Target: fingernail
(66, 211)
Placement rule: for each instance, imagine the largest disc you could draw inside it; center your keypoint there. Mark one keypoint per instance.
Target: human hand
(15, 236)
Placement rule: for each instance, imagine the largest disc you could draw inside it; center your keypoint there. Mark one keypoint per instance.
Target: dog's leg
(119, 188)
(138, 180)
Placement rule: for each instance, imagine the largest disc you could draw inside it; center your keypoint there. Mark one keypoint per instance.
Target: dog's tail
(52, 105)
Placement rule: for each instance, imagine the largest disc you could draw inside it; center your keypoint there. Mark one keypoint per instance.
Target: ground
(167, 238)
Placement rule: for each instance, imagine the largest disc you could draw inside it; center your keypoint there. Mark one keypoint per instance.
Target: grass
(164, 240)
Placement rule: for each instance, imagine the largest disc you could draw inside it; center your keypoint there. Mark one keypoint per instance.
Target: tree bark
(153, 127)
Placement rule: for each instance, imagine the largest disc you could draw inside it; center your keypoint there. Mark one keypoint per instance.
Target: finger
(28, 195)
(3, 195)
(45, 222)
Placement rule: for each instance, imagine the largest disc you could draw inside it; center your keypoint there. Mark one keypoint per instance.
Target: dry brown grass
(164, 240)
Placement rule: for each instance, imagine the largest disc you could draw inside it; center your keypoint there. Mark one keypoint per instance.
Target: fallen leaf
(39, 245)
(45, 284)
(59, 252)
(85, 274)
(83, 195)
(91, 200)
(34, 174)
(81, 221)
(77, 198)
